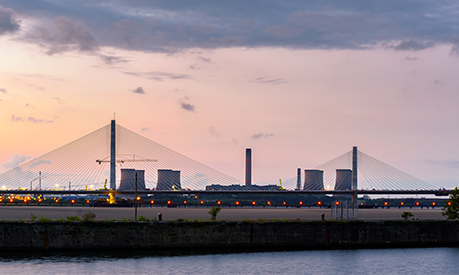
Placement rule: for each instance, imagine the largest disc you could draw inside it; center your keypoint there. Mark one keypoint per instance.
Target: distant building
(168, 180)
(127, 182)
(313, 180)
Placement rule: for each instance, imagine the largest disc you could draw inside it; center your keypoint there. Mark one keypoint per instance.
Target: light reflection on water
(362, 261)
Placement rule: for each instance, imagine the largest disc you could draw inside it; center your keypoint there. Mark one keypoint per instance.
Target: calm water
(364, 261)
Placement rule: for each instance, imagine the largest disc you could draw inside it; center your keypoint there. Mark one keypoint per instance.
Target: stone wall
(33, 236)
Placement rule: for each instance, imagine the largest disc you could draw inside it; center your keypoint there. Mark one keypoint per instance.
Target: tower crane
(124, 159)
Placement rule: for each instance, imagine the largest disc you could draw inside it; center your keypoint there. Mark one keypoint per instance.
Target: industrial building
(168, 180)
(127, 182)
(313, 179)
(252, 187)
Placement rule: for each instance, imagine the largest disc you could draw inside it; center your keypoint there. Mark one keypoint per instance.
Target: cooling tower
(343, 179)
(168, 180)
(128, 179)
(313, 180)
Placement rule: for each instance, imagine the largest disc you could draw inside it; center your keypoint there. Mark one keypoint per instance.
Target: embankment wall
(32, 236)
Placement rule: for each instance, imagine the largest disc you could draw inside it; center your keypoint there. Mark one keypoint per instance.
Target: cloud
(139, 90)
(234, 141)
(449, 163)
(187, 106)
(14, 160)
(267, 80)
(64, 35)
(110, 60)
(411, 58)
(158, 76)
(15, 118)
(3, 90)
(172, 26)
(36, 163)
(144, 129)
(261, 135)
(30, 119)
(411, 45)
(213, 132)
(8, 21)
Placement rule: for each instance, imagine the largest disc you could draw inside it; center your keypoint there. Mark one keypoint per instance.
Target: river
(360, 261)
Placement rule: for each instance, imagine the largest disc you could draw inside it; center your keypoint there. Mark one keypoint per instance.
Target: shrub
(89, 216)
(407, 215)
(143, 219)
(33, 217)
(451, 209)
(73, 219)
(214, 212)
(42, 219)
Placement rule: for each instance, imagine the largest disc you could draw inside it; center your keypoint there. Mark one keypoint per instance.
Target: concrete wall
(29, 236)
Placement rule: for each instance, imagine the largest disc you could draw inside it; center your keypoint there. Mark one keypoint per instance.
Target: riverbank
(152, 235)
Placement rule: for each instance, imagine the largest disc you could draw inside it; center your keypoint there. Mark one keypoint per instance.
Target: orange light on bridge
(28, 198)
(87, 201)
(39, 200)
(138, 198)
(202, 202)
(402, 203)
(219, 202)
(337, 203)
(1, 200)
(284, 203)
(385, 203)
(72, 201)
(56, 200)
(152, 202)
(253, 203)
(184, 202)
(168, 202)
(433, 203)
(269, 203)
(25, 200)
(417, 203)
(319, 203)
(449, 203)
(301, 203)
(11, 200)
(195, 197)
(237, 203)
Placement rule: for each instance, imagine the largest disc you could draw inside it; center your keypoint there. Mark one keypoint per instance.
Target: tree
(451, 209)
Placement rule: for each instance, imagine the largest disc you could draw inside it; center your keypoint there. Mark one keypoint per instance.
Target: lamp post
(135, 198)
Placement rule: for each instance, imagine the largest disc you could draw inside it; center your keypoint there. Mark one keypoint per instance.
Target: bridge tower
(354, 168)
(113, 156)
(248, 167)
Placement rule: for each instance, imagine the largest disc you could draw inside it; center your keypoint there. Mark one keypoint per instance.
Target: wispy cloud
(267, 80)
(158, 76)
(3, 90)
(261, 135)
(30, 119)
(214, 133)
(449, 163)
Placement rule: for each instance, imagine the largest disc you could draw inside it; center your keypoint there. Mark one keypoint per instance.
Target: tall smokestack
(248, 167)
(354, 168)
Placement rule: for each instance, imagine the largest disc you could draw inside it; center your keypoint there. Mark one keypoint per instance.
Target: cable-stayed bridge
(85, 164)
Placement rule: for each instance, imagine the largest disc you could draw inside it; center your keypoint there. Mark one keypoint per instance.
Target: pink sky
(296, 107)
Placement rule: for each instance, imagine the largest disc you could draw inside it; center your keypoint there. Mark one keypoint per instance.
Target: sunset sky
(300, 82)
